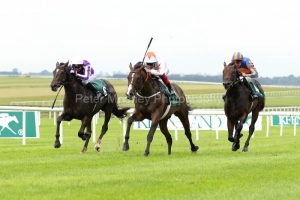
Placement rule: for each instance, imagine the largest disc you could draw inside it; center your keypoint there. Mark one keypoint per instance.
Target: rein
(60, 90)
(137, 92)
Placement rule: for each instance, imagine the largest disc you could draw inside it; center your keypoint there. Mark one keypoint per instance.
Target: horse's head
(230, 75)
(61, 75)
(136, 79)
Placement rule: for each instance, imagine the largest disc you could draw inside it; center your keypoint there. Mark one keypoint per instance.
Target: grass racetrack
(270, 170)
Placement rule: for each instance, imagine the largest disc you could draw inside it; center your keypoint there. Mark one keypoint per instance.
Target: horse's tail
(120, 112)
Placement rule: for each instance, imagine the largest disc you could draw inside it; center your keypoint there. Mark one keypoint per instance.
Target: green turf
(270, 170)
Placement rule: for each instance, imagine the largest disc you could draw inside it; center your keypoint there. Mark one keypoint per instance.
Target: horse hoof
(125, 148)
(195, 149)
(57, 145)
(235, 147)
(146, 154)
(97, 149)
(245, 149)
(231, 139)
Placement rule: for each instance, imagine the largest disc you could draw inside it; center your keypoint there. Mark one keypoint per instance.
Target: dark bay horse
(238, 105)
(79, 103)
(151, 103)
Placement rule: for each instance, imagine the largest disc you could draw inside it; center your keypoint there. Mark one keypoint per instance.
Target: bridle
(140, 77)
(236, 79)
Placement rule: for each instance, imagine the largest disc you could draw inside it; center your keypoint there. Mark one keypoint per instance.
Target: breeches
(165, 79)
(91, 79)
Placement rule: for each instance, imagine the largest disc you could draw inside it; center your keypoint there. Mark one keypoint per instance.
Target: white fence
(193, 98)
(218, 112)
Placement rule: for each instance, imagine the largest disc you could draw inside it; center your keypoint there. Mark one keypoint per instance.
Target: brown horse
(151, 103)
(238, 105)
(79, 103)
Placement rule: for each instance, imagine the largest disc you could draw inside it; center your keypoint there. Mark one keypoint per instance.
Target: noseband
(236, 80)
(135, 86)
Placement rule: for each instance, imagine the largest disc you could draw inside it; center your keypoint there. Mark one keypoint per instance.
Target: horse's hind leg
(186, 124)
(164, 130)
(87, 135)
(251, 129)
(126, 138)
(103, 129)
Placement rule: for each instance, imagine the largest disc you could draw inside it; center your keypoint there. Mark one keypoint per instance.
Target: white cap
(77, 61)
(150, 57)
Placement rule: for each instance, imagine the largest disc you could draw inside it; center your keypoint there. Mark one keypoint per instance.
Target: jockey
(85, 73)
(247, 69)
(157, 66)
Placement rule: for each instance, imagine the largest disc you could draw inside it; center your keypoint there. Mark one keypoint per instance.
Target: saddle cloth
(101, 86)
(173, 99)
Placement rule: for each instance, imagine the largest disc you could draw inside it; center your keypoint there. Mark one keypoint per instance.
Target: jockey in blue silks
(245, 66)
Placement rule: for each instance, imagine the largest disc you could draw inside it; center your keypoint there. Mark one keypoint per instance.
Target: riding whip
(147, 48)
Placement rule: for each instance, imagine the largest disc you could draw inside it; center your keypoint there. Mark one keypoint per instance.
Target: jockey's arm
(86, 74)
(253, 73)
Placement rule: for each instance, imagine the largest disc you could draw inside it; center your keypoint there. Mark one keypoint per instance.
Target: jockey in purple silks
(85, 73)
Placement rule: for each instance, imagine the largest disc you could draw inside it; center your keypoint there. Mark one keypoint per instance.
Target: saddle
(101, 86)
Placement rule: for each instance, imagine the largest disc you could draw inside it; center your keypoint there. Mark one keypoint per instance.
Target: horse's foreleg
(150, 137)
(186, 124)
(129, 123)
(57, 135)
(230, 127)
(251, 129)
(164, 130)
(104, 129)
(238, 135)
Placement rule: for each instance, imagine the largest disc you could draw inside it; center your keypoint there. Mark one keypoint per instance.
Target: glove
(72, 71)
(241, 78)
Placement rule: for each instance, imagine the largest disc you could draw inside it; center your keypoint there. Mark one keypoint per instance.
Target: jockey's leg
(165, 79)
(91, 87)
(252, 90)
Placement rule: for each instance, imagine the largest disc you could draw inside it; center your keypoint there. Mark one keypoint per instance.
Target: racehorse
(238, 105)
(151, 103)
(80, 104)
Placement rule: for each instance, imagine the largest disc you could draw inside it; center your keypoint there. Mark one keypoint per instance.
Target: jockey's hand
(148, 70)
(244, 75)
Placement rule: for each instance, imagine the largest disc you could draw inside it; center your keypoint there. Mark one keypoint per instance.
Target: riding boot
(91, 87)
(253, 94)
(170, 88)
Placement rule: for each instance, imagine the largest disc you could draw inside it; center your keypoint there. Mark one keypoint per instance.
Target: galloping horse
(80, 104)
(238, 105)
(152, 104)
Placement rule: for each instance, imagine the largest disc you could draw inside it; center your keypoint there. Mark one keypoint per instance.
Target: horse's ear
(57, 64)
(130, 67)
(225, 64)
(67, 63)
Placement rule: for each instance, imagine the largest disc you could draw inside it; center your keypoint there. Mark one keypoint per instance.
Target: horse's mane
(138, 65)
(231, 64)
